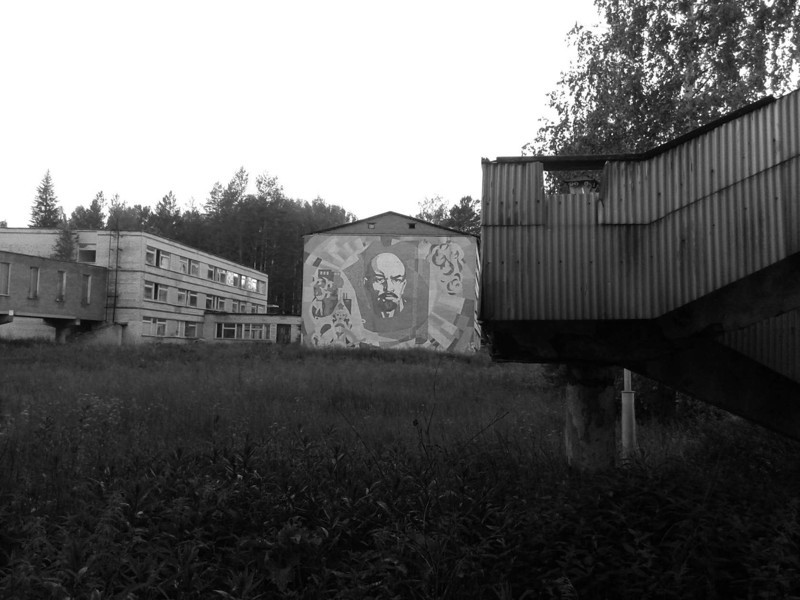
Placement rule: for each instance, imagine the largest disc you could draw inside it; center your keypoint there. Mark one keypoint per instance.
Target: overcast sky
(373, 106)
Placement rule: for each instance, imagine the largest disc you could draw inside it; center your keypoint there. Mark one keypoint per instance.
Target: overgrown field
(280, 472)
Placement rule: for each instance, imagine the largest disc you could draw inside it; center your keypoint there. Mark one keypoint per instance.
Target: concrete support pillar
(589, 431)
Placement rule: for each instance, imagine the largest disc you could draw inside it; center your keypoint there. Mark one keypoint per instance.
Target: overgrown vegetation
(281, 472)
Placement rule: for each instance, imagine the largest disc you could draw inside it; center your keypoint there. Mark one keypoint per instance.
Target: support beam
(698, 365)
(720, 376)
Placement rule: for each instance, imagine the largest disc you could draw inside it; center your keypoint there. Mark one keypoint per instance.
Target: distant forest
(262, 230)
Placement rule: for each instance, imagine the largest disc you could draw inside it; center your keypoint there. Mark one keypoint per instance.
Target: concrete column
(589, 431)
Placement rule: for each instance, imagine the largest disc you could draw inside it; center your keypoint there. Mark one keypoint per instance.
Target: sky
(372, 106)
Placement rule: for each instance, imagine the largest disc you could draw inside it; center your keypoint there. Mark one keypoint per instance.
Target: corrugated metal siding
(641, 192)
(668, 231)
(572, 268)
(774, 342)
(513, 194)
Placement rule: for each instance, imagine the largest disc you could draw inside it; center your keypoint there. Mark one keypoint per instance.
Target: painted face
(386, 282)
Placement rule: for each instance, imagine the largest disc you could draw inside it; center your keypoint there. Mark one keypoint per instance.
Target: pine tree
(67, 243)
(45, 211)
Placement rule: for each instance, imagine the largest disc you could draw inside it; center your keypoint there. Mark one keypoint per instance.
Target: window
(86, 289)
(254, 308)
(150, 256)
(61, 286)
(182, 297)
(163, 259)
(262, 308)
(230, 277)
(5, 278)
(250, 284)
(194, 268)
(191, 299)
(412, 225)
(253, 331)
(187, 329)
(235, 306)
(86, 255)
(370, 225)
(33, 284)
(183, 264)
(262, 287)
(155, 291)
(221, 275)
(236, 278)
(210, 273)
(227, 331)
(153, 326)
(215, 302)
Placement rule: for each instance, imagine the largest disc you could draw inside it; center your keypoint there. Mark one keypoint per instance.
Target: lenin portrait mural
(390, 291)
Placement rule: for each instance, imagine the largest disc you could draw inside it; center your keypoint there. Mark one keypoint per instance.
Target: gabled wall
(435, 273)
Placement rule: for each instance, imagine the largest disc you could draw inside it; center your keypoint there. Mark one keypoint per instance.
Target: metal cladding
(662, 232)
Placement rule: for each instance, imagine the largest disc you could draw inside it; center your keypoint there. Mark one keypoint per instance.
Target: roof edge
(595, 162)
(387, 213)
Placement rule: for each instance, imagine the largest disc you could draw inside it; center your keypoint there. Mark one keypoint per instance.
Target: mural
(390, 291)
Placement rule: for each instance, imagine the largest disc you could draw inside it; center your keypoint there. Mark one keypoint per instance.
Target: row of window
(153, 326)
(242, 331)
(157, 327)
(34, 280)
(158, 292)
(188, 266)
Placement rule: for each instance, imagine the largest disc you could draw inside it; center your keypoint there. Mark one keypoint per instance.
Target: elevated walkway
(685, 267)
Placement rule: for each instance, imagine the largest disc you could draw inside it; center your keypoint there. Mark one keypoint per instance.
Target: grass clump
(263, 472)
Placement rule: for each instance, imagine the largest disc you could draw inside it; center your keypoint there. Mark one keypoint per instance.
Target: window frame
(5, 285)
(61, 286)
(34, 275)
(86, 289)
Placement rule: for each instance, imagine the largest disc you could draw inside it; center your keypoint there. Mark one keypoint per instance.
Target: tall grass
(264, 471)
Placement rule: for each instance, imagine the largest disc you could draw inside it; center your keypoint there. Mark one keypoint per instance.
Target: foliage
(464, 216)
(262, 231)
(45, 211)
(92, 217)
(165, 220)
(66, 246)
(258, 471)
(3, 224)
(658, 69)
(122, 217)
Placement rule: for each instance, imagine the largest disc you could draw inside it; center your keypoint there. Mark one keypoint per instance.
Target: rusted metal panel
(513, 194)
(643, 191)
(774, 343)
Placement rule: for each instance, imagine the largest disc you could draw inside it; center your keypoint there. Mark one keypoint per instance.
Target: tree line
(262, 231)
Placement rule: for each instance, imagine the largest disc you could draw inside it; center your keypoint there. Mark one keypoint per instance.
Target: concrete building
(153, 289)
(391, 281)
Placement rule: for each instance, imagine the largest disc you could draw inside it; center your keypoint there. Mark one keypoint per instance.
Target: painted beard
(388, 303)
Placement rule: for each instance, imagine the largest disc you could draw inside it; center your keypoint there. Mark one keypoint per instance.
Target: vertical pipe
(628, 416)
